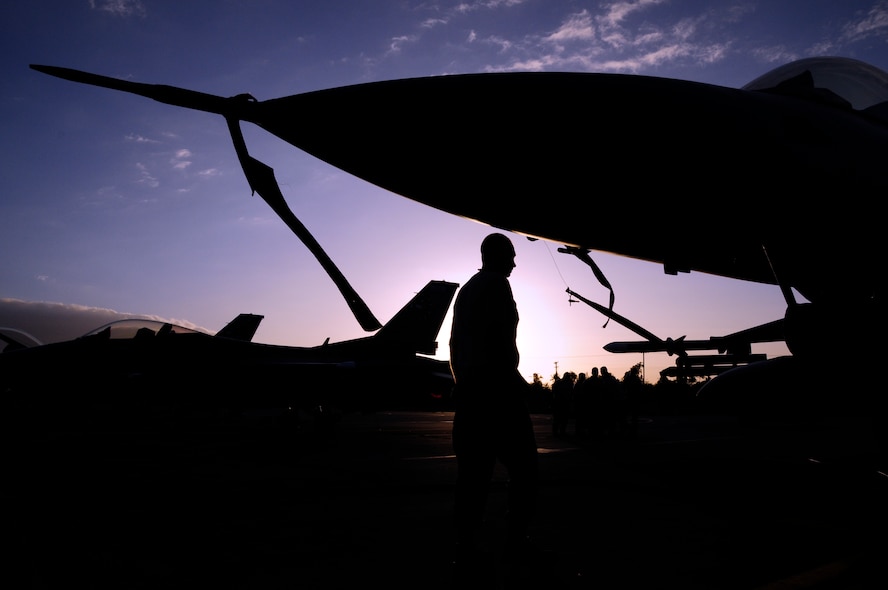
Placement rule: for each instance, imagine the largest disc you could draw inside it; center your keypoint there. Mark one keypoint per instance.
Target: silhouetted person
(632, 387)
(562, 397)
(584, 404)
(491, 420)
(610, 399)
(577, 402)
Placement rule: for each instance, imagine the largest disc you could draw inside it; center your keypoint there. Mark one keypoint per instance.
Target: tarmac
(693, 502)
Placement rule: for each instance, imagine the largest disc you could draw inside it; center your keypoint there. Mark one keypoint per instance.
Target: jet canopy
(136, 328)
(862, 86)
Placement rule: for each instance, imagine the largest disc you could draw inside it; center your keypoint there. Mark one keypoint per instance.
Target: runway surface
(689, 502)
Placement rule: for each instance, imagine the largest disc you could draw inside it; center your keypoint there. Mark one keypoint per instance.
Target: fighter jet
(143, 374)
(775, 182)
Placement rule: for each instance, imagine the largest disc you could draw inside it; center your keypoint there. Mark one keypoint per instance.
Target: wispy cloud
(872, 23)
(631, 36)
(503, 45)
(398, 42)
(54, 322)
(430, 23)
(181, 159)
(442, 18)
(616, 14)
(865, 25)
(778, 54)
(577, 27)
(121, 8)
(145, 177)
(135, 137)
(612, 40)
(467, 7)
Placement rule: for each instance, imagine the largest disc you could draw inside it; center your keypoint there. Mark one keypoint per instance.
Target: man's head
(497, 254)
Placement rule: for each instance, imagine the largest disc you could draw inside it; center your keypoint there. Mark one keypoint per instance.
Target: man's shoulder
(485, 279)
(484, 287)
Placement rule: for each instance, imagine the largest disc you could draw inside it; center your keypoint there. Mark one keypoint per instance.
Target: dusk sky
(114, 202)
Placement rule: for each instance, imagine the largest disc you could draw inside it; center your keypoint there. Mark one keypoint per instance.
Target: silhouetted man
(491, 420)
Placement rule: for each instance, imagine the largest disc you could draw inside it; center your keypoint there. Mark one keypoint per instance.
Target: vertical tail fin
(243, 327)
(417, 324)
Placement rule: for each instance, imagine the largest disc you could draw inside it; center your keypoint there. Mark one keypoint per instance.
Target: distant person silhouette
(577, 401)
(611, 407)
(491, 419)
(632, 387)
(562, 398)
(585, 411)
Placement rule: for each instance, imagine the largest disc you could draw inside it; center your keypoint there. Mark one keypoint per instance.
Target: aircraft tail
(243, 327)
(417, 324)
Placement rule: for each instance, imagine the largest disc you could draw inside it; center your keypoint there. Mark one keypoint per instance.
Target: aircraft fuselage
(693, 176)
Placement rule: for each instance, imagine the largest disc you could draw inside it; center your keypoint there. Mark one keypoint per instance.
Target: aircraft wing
(563, 136)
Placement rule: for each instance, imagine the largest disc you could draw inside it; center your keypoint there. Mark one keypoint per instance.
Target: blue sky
(114, 202)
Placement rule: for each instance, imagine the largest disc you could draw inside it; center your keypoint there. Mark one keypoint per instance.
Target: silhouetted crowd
(602, 406)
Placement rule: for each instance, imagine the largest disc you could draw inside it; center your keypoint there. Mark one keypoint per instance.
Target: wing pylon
(733, 350)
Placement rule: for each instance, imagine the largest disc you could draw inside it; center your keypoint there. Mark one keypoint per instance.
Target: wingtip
(56, 71)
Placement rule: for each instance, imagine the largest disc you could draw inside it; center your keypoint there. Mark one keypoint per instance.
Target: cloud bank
(54, 322)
